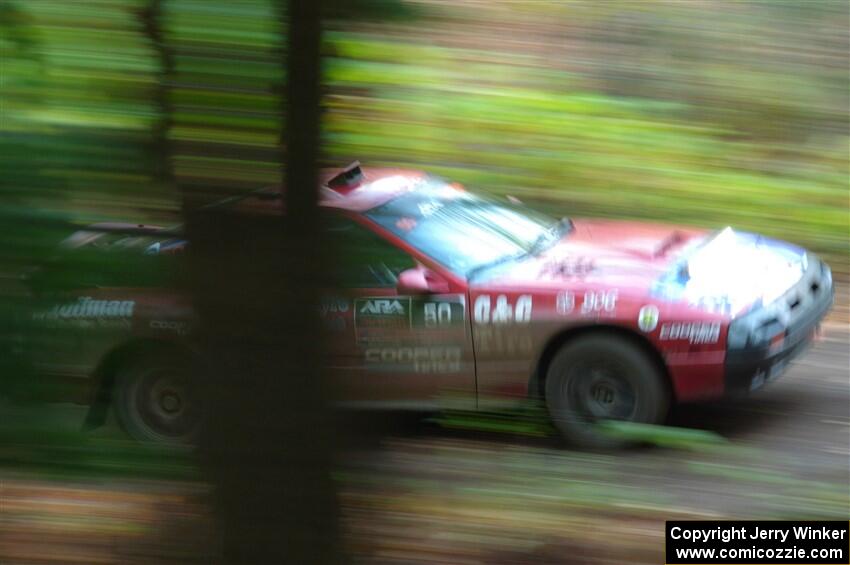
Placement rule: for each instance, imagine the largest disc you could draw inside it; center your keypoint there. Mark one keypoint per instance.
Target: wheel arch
(104, 374)
(537, 381)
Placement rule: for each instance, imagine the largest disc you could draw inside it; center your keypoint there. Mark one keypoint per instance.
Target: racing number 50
(438, 314)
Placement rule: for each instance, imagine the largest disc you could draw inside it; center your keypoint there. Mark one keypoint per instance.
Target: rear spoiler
(347, 179)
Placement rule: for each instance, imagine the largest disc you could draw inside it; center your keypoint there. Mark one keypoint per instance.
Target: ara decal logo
(381, 320)
(378, 307)
(648, 318)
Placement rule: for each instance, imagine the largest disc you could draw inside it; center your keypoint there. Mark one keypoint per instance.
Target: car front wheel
(603, 377)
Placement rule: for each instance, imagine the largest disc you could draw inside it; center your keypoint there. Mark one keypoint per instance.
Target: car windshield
(464, 232)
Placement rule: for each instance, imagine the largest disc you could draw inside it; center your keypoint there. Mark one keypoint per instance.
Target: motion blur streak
(705, 113)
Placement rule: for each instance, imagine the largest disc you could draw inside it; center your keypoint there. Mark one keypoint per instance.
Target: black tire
(154, 400)
(603, 377)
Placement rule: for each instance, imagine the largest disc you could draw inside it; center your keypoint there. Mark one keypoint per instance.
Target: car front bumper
(799, 313)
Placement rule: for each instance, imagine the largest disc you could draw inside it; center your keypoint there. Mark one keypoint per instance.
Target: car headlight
(756, 329)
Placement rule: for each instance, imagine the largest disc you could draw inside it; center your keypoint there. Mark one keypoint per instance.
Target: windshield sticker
(503, 312)
(405, 224)
(468, 234)
(428, 208)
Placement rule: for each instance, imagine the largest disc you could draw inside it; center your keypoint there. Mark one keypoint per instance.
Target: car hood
(603, 252)
(733, 272)
(725, 271)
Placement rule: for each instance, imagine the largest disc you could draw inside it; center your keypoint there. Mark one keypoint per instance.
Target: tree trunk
(267, 441)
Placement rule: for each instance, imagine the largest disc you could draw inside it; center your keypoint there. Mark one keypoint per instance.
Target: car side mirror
(420, 280)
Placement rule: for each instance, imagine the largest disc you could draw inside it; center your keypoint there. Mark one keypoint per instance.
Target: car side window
(362, 258)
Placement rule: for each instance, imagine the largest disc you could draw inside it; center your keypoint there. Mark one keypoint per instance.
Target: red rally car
(442, 291)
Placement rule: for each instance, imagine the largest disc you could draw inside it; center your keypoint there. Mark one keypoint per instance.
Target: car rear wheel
(154, 400)
(597, 378)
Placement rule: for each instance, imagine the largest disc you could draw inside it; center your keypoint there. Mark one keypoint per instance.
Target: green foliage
(663, 436)
(33, 439)
(529, 419)
(747, 149)
(660, 110)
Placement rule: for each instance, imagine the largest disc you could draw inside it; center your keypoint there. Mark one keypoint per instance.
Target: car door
(388, 347)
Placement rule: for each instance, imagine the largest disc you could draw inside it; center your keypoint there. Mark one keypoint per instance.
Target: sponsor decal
(375, 307)
(648, 318)
(569, 267)
(593, 303)
(333, 306)
(442, 312)
(437, 314)
(503, 341)
(86, 308)
(604, 302)
(712, 304)
(502, 312)
(332, 310)
(381, 319)
(565, 302)
(694, 332)
(394, 319)
(180, 328)
(433, 359)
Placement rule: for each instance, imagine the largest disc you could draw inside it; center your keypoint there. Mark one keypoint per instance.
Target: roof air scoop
(669, 243)
(348, 179)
